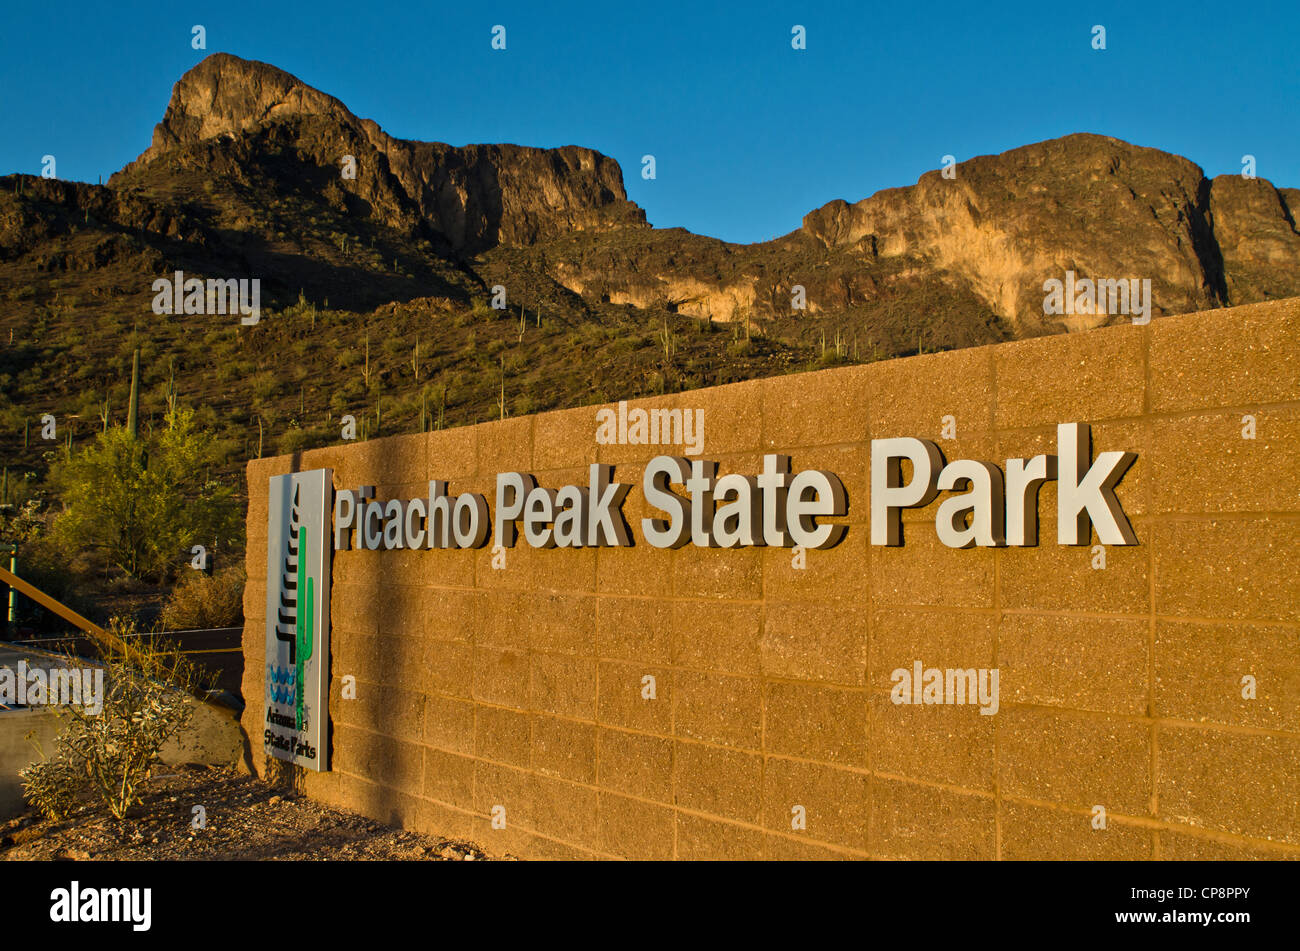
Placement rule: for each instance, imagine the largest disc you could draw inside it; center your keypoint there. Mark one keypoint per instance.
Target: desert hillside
(376, 289)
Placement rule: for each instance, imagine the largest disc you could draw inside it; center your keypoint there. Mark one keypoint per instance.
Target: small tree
(144, 500)
(105, 756)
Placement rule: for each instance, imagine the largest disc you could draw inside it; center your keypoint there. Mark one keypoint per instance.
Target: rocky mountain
(1087, 203)
(376, 284)
(475, 197)
(980, 239)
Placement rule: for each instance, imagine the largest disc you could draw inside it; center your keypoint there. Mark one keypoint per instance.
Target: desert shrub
(293, 439)
(395, 348)
(141, 500)
(41, 560)
(204, 601)
(102, 757)
(333, 195)
(264, 385)
(52, 783)
(228, 373)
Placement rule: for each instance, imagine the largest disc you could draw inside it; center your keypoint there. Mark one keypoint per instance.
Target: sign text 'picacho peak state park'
(777, 507)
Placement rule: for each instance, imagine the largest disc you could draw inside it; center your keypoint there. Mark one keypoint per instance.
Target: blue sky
(748, 134)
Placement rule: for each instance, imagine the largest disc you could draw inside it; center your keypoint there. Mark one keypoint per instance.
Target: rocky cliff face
(475, 196)
(993, 234)
(1095, 205)
(245, 163)
(1255, 227)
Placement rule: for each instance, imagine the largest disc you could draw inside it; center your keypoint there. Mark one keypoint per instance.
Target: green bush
(41, 560)
(294, 439)
(102, 757)
(144, 501)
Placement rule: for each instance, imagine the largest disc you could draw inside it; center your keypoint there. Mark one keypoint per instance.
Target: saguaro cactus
(133, 407)
(306, 633)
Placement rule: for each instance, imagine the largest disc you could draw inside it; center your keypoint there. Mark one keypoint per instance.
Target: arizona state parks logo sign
(297, 618)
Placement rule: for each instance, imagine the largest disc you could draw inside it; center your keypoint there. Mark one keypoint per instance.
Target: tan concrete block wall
(1120, 687)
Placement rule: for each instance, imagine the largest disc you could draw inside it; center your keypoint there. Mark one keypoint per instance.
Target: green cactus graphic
(305, 621)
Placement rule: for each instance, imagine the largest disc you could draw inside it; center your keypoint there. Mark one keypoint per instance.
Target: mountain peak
(474, 196)
(993, 227)
(1088, 203)
(225, 94)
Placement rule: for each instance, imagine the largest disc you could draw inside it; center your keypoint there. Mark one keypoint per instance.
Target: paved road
(219, 650)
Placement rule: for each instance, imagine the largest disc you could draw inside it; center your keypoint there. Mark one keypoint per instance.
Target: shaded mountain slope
(376, 288)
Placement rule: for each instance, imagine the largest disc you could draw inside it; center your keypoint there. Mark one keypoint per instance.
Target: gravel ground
(246, 819)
